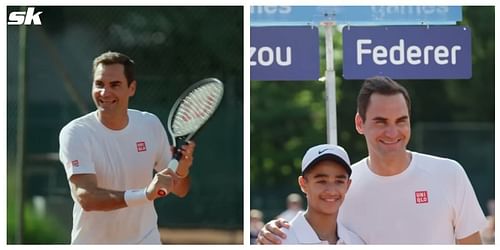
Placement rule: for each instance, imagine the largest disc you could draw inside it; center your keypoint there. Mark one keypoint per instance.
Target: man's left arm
(182, 181)
(181, 188)
(473, 239)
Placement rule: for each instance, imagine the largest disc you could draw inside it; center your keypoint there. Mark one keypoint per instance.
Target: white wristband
(134, 197)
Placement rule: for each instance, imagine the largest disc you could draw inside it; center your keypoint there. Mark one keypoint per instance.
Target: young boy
(325, 180)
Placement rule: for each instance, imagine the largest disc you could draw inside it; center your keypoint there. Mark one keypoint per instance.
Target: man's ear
(132, 87)
(302, 184)
(358, 122)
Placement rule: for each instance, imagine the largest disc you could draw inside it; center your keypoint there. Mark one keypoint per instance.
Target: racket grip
(177, 154)
(173, 164)
(162, 192)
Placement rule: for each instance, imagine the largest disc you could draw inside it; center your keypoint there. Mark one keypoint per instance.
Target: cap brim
(332, 157)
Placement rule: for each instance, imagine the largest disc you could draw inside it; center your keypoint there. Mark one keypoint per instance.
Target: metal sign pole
(330, 95)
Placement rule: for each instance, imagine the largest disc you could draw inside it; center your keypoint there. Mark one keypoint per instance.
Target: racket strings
(196, 108)
(192, 113)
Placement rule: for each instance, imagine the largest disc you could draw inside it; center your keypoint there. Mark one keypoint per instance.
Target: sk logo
(25, 17)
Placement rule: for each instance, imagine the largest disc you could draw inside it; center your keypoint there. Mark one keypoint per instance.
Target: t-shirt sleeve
(469, 217)
(163, 155)
(75, 151)
(291, 239)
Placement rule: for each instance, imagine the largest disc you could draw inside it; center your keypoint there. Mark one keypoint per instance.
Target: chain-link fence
(172, 47)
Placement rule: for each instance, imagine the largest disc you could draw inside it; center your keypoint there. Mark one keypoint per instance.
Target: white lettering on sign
(270, 9)
(379, 12)
(399, 54)
(267, 56)
(25, 17)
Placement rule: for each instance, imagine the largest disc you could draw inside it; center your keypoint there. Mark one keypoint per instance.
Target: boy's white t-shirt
(301, 232)
(121, 160)
(431, 202)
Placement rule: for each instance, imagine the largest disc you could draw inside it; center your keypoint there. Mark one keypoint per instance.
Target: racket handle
(162, 192)
(173, 164)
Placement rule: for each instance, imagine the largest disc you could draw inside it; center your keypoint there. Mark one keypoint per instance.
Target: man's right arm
(271, 233)
(91, 197)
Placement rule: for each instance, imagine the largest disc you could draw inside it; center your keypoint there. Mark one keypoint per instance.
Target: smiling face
(387, 125)
(325, 186)
(110, 90)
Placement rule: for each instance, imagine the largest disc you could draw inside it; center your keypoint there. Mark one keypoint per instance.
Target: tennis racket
(189, 113)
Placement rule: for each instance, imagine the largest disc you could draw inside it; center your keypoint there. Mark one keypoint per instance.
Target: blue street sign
(354, 15)
(284, 53)
(407, 52)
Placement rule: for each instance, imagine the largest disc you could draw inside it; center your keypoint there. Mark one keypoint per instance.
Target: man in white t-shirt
(398, 196)
(109, 156)
(326, 169)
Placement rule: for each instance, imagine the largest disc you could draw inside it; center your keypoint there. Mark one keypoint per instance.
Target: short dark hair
(381, 85)
(108, 58)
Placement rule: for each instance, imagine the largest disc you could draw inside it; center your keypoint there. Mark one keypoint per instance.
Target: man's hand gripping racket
(188, 114)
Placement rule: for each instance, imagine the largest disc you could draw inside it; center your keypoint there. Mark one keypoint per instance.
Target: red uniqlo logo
(421, 197)
(75, 163)
(141, 146)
